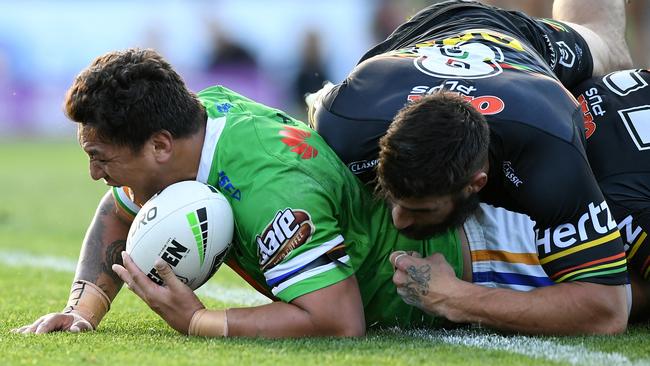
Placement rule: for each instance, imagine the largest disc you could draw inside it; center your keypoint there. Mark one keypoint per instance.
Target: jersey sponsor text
(598, 219)
(288, 230)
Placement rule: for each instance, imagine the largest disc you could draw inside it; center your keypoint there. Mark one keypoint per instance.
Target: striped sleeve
(503, 252)
(124, 198)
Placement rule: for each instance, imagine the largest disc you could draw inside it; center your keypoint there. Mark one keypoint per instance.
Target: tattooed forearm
(113, 255)
(418, 284)
(101, 248)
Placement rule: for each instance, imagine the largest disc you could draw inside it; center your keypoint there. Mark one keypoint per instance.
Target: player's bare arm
(602, 25)
(335, 310)
(95, 284)
(102, 247)
(566, 308)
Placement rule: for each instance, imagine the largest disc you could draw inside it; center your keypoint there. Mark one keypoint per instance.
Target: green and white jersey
(303, 220)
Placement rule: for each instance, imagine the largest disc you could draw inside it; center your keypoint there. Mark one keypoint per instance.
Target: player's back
(300, 213)
(616, 111)
(537, 161)
(501, 76)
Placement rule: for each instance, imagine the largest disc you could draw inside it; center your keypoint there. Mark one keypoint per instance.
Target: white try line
(533, 347)
(229, 295)
(536, 348)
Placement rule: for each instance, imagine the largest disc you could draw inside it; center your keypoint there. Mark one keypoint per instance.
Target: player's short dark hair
(432, 148)
(127, 96)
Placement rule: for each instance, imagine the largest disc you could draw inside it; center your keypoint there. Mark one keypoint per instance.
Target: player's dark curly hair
(127, 96)
(432, 148)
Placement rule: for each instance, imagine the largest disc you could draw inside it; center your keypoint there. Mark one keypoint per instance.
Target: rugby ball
(189, 225)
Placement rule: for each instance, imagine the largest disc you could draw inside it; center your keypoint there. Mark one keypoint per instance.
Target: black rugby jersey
(538, 164)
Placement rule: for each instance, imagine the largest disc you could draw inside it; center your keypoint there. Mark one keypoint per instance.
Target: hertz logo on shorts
(596, 222)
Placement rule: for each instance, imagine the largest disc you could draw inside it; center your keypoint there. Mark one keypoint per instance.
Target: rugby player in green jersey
(143, 130)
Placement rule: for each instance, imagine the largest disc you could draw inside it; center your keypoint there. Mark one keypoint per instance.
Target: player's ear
(162, 144)
(478, 181)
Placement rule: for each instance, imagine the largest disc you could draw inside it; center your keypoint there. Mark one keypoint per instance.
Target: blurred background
(271, 51)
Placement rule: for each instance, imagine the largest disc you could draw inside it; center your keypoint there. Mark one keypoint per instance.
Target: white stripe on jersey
(301, 259)
(213, 130)
(495, 229)
(310, 273)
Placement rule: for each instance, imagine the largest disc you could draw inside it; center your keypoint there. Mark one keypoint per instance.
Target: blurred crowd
(312, 55)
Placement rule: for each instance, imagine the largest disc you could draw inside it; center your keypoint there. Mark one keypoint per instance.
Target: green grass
(46, 202)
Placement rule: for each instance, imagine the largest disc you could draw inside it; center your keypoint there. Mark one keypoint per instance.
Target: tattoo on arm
(100, 251)
(418, 284)
(113, 255)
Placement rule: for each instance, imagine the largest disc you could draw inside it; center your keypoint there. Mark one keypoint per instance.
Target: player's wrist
(209, 323)
(89, 301)
(455, 306)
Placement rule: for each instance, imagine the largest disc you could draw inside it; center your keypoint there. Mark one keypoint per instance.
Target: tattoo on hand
(418, 284)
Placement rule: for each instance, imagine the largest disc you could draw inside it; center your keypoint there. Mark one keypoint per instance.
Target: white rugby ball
(189, 225)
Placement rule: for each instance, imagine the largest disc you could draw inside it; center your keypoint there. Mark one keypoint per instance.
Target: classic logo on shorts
(624, 82)
(461, 60)
(296, 139)
(358, 167)
(510, 174)
(289, 229)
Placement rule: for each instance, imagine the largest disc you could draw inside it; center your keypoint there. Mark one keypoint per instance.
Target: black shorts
(563, 49)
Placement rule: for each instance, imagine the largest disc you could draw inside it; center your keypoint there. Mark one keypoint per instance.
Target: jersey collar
(213, 129)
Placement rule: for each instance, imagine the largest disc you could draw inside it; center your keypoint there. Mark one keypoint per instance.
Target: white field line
(527, 346)
(230, 295)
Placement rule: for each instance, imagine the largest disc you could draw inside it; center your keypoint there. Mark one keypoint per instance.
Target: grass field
(46, 202)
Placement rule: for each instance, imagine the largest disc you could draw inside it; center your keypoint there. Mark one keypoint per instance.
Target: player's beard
(463, 208)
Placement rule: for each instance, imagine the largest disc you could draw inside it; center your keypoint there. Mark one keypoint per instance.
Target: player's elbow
(614, 322)
(613, 325)
(612, 312)
(350, 327)
(349, 332)
(341, 325)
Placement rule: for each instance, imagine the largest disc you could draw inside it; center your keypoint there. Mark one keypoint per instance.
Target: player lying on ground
(276, 173)
(616, 113)
(307, 231)
(439, 158)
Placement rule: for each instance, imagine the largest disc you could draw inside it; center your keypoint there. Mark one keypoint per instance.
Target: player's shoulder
(220, 101)
(623, 94)
(618, 83)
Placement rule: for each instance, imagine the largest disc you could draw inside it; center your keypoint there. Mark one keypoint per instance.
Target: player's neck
(188, 156)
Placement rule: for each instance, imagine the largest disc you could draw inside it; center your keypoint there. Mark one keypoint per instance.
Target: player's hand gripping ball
(189, 225)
